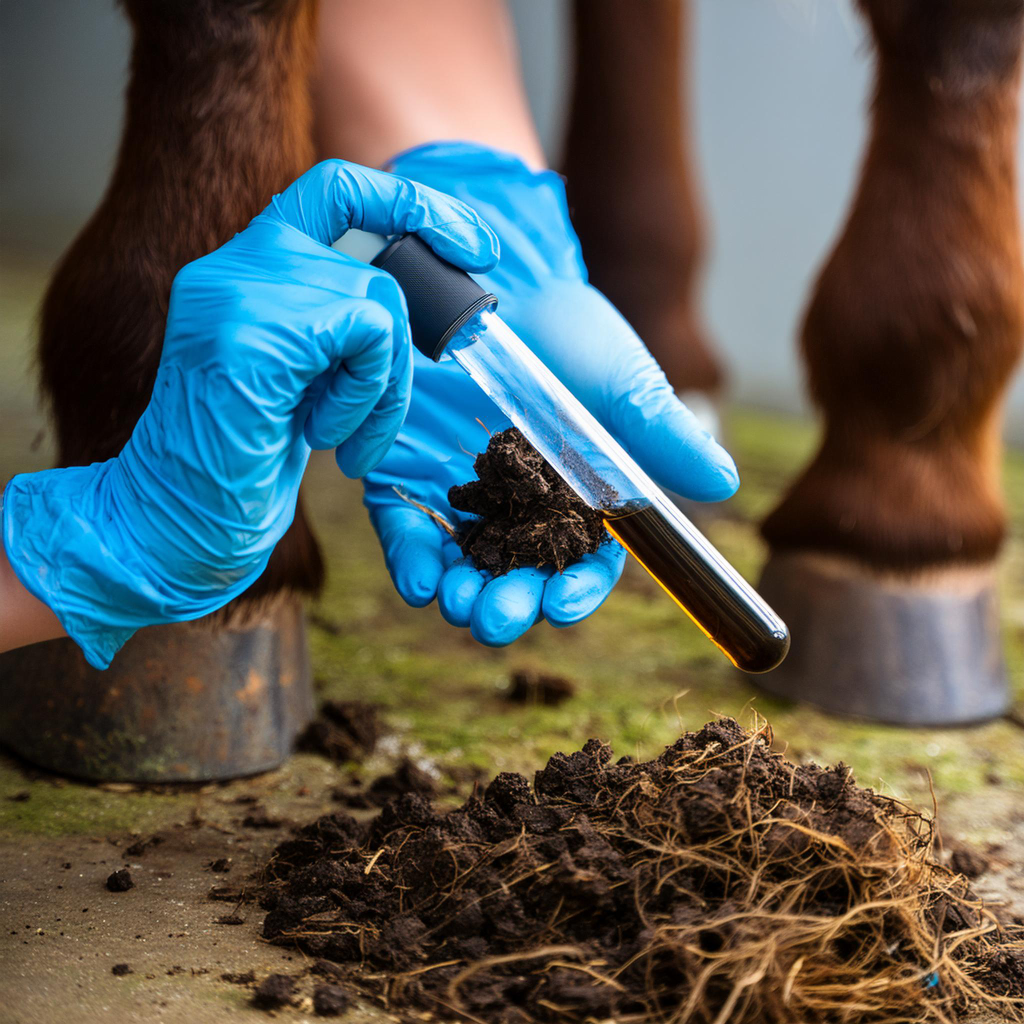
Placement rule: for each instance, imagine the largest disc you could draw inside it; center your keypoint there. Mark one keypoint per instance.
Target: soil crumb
(274, 991)
(528, 687)
(344, 730)
(225, 894)
(718, 881)
(120, 880)
(331, 1000)
(968, 861)
(239, 977)
(121, 969)
(139, 847)
(527, 514)
(408, 777)
(260, 818)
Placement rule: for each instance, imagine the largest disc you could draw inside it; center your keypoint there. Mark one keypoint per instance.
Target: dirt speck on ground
(343, 730)
(527, 686)
(139, 847)
(408, 777)
(968, 861)
(239, 977)
(121, 969)
(260, 817)
(274, 991)
(527, 515)
(331, 1000)
(224, 894)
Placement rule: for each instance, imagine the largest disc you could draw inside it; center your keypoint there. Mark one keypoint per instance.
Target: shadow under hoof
(915, 652)
(195, 701)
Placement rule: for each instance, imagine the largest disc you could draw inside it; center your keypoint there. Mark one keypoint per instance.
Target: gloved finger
(362, 342)
(508, 606)
(581, 588)
(373, 438)
(450, 550)
(336, 195)
(668, 440)
(458, 591)
(411, 542)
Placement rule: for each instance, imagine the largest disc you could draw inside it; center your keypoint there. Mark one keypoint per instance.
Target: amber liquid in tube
(725, 614)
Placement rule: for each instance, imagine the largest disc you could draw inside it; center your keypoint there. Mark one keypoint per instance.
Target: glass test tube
(636, 512)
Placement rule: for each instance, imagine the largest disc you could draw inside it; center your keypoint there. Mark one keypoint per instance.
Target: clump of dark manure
(718, 882)
(343, 730)
(408, 777)
(529, 687)
(120, 880)
(527, 515)
(274, 991)
(331, 1000)
(969, 862)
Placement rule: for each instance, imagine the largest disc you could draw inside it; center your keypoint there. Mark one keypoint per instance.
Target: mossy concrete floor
(643, 674)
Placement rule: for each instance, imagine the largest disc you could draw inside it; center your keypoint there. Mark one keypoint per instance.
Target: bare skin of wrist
(399, 73)
(24, 619)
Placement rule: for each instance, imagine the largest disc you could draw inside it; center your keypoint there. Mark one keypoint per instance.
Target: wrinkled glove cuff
(55, 551)
(456, 153)
(68, 537)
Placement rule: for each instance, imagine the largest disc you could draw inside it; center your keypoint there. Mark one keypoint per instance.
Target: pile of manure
(718, 882)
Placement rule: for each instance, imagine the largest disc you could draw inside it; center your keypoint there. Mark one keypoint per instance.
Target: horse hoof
(189, 702)
(918, 652)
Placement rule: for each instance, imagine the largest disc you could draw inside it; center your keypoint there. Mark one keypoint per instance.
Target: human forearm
(398, 73)
(24, 619)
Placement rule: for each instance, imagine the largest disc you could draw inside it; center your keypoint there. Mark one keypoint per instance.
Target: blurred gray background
(780, 97)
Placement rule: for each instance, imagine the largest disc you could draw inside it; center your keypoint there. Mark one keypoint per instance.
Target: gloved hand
(543, 294)
(274, 343)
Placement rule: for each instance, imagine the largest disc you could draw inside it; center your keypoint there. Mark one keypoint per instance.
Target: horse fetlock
(899, 506)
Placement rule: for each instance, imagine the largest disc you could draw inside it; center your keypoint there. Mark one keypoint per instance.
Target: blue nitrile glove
(542, 290)
(274, 343)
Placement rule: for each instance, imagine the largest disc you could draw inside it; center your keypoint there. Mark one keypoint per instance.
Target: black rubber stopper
(440, 296)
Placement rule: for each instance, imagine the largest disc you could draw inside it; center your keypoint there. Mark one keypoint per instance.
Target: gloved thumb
(336, 195)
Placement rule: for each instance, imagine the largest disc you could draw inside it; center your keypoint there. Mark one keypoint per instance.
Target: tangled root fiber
(717, 883)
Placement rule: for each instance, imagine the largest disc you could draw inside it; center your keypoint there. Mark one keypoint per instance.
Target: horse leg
(217, 120)
(631, 182)
(883, 550)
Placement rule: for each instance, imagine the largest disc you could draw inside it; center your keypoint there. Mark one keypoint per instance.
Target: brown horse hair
(217, 120)
(631, 180)
(916, 320)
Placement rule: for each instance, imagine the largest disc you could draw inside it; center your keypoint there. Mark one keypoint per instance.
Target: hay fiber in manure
(717, 883)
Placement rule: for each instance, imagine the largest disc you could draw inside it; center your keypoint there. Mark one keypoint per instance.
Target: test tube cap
(440, 297)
